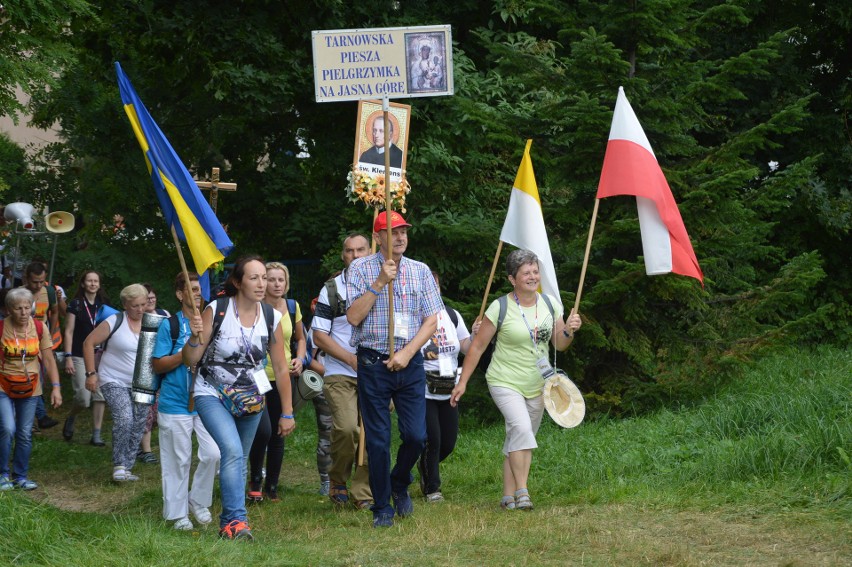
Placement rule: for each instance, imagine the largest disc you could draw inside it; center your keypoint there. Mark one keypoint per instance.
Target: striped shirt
(415, 293)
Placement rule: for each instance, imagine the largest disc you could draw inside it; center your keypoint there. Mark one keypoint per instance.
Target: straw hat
(563, 400)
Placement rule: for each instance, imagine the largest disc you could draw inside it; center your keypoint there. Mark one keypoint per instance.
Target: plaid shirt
(414, 293)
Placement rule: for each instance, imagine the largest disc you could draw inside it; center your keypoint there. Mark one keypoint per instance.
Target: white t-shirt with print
(236, 353)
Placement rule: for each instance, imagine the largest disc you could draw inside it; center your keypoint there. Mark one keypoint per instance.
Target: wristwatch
(92, 373)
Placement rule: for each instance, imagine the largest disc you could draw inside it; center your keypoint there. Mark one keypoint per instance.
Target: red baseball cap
(381, 223)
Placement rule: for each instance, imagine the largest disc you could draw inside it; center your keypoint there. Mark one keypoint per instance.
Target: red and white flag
(630, 168)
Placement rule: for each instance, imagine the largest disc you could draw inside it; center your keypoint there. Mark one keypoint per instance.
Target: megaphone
(59, 222)
(21, 213)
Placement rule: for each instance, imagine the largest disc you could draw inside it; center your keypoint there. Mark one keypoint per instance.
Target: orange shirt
(41, 305)
(21, 351)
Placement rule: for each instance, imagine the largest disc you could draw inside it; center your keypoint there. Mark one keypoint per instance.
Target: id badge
(261, 381)
(400, 326)
(544, 367)
(445, 365)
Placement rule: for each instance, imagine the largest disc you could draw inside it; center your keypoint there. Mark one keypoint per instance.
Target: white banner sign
(382, 62)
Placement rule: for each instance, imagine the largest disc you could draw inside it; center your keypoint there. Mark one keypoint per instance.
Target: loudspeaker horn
(59, 222)
(22, 213)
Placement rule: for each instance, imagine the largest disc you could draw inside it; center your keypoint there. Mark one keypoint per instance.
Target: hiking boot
(236, 529)
(382, 520)
(402, 503)
(68, 430)
(47, 422)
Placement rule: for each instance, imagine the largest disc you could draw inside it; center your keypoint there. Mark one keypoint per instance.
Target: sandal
(522, 499)
(339, 495)
(507, 503)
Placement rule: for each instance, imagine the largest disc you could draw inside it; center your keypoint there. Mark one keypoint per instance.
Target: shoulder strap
(269, 317)
(291, 309)
(51, 294)
(503, 301)
(174, 329)
(454, 316)
(119, 318)
(219, 310)
(331, 291)
(549, 304)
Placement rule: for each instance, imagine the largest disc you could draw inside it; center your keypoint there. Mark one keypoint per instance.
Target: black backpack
(503, 302)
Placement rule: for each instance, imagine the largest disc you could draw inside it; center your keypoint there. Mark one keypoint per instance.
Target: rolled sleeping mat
(306, 387)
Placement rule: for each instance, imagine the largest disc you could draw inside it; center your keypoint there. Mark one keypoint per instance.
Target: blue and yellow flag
(180, 199)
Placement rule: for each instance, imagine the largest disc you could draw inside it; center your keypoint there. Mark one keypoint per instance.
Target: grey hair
(518, 258)
(132, 292)
(18, 295)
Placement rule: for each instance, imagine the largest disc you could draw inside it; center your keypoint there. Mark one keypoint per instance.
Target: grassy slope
(760, 475)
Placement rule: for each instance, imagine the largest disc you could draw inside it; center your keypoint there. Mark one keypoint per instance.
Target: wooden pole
(586, 257)
(188, 290)
(388, 204)
(490, 279)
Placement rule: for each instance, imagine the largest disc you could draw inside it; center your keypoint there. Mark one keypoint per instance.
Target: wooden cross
(215, 186)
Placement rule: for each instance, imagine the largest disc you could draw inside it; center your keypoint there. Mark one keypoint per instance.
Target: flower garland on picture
(370, 190)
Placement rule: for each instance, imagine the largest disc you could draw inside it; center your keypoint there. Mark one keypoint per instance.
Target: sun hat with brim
(563, 400)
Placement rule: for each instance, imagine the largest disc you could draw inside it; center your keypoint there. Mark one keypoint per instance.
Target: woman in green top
(518, 367)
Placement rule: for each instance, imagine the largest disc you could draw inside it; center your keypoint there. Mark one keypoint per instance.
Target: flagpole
(389, 248)
(490, 279)
(186, 282)
(586, 257)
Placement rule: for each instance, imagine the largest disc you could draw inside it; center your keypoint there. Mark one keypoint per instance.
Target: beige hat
(563, 400)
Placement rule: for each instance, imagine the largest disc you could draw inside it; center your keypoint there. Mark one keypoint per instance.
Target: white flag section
(524, 226)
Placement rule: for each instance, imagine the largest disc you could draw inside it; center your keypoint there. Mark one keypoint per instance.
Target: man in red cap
(385, 376)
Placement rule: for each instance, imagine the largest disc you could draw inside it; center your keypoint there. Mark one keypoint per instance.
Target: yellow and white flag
(524, 226)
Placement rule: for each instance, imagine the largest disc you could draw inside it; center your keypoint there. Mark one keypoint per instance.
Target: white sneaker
(202, 515)
(435, 497)
(183, 525)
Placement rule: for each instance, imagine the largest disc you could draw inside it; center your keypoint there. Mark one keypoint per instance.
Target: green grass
(758, 475)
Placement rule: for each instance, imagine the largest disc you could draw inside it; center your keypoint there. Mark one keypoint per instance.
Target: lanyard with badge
(543, 365)
(401, 320)
(259, 376)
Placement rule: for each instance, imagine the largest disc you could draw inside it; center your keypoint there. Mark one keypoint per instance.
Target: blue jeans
(16, 420)
(234, 436)
(377, 386)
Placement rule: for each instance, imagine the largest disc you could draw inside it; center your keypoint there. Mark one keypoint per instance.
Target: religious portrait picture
(426, 58)
(373, 139)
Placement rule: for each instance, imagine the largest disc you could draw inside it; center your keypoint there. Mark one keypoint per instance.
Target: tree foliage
(746, 107)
